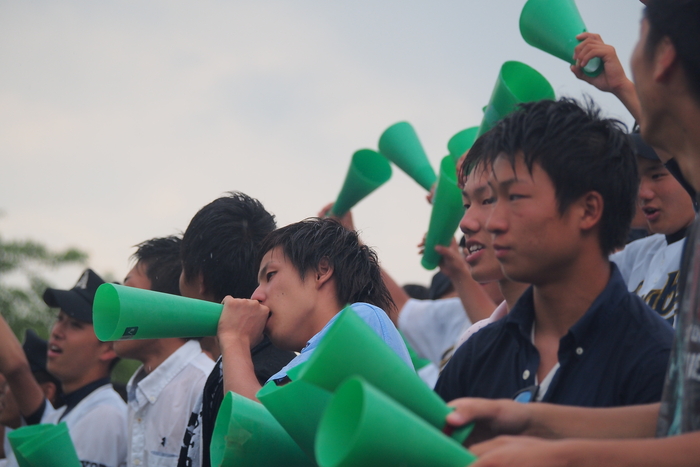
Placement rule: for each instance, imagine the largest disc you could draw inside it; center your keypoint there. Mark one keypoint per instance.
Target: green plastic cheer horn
(122, 313)
(297, 406)
(368, 171)
(351, 348)
(446, 214)
(552, 26)
(245, 434)
(43, 445)
(517, 83)
(462, 142)
(399, 143)
(362, 426)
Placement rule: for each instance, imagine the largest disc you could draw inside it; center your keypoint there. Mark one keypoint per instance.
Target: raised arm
(613, 78)
(240, 329)
(15, 367)
(476, 302)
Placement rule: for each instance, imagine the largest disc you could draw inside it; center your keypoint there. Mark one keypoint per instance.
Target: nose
(258, 295)
(645, 191)
(469, 225)
(497, 223)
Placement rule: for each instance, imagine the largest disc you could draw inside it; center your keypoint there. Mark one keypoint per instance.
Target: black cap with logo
(76, 302)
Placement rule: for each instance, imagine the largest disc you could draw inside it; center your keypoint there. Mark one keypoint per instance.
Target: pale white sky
(119, 120)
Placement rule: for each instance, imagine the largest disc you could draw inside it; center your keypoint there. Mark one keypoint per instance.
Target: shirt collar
(144, 388)
(523, 313)
(74, 398)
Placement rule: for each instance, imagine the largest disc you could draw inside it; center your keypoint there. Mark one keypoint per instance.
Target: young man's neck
(511, 291)
(561, 303)
(159, 353)
(679, 138)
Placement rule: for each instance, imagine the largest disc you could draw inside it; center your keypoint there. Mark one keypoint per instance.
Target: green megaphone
(517, 83)
(399, 143)
(122, 313)
(446, 214)
(552, 26)
(297, 406)
(351, 348)
(42, 445)
(462, 142)
(245, 434)
(362, 426)
(368, 171)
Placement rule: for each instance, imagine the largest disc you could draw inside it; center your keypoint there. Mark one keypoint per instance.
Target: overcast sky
(119, 120)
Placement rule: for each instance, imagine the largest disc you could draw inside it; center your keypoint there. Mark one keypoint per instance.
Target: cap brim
(642, 149)
(70, 303)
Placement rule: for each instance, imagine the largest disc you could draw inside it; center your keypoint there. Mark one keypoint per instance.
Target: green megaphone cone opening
(400, 144)
(516, 83)
(552, 26)
(120, 313)
(354, 428)
(368, 171)
(461, 142)
(246, 434)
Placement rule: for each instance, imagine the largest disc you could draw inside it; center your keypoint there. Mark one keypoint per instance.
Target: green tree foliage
(26, 260)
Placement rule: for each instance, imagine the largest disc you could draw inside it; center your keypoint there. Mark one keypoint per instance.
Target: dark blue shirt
(616, 354)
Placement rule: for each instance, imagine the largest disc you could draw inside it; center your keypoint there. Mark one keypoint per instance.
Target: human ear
(591, 210)
(664, 60)
(324, 271)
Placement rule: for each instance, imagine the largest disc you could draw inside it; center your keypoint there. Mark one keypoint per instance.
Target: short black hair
(222, 243)
(580, 151)
(356, 270)
(679, 20)
(161, 257)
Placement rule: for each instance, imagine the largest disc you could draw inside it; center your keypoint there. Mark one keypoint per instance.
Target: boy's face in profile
(478, 198)
(291, 300)
(531, 239)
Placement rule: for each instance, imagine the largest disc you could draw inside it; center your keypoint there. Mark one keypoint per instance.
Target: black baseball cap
(35, 349)
(76, 302)
(642, 149)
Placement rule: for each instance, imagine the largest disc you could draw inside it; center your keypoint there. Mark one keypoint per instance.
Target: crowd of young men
(585, 331)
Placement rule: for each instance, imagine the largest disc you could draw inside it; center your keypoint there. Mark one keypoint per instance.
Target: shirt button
(137, 462)
(152, 399)
(526, 374)
(138, 420)
(579, 350)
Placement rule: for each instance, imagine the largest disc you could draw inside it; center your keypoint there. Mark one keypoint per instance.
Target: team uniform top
(96, 419)
(650, 267)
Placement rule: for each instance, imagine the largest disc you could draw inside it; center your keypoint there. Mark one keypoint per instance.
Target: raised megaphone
(517, 83)
(399, 143)
(246, 435)
(368, 171)
(121, 313)
(462, 142)
(552, 26)
(362, 426)
(446, 214)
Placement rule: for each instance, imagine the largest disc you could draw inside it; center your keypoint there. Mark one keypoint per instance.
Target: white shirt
(650, 267)
(160, 404)
(97, 426)
(432, 327)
